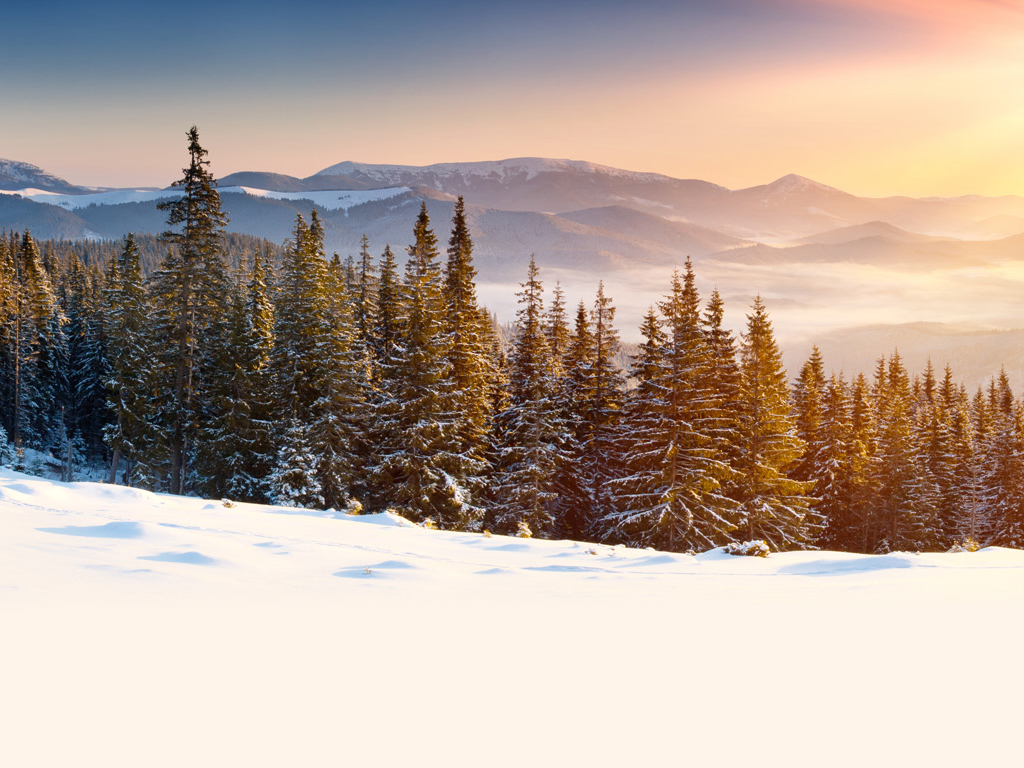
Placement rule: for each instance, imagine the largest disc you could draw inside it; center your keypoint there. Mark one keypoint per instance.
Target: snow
(14, 170)
(143, 629)
(526, 168)
(107, 197)
(329, 200)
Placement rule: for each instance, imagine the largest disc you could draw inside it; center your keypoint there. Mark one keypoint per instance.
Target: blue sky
(855, 93)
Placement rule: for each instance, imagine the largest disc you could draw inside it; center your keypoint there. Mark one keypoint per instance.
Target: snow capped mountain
(19, 175)
(449, 177)
(792, 184)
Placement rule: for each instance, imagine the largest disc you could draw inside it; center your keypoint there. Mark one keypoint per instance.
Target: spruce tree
(338, 430)
(556, 331)
(528, 452)
(9, 327)
(808, 394)
(129, 361)
(86, 412)
(602, 411)
(40, 352)
(671, 496)
(773, 505)
(417, 466)
(906, 516)
(366, 305)
(189, 292)
(1006, 467)
(574, 392)
(834, 470)
(292, 481)
(467, 354)
(236, 452)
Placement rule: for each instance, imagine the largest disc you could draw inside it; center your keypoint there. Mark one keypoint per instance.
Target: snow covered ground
(151, 630)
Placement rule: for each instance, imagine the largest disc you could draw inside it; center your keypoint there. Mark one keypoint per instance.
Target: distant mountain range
(568, 213)
(796, 241)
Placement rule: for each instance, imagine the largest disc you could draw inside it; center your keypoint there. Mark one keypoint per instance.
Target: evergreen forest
(233, 368)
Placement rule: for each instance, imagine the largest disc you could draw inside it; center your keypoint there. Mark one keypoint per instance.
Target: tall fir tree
(41, 351)
(87, 415)
(337, 423)
(575, 500)
(467, 355)
(417, 466)
(774, 506)
(672, 494)
(1006, 466)
(237, 449)
(130, 371)
(528, 453)
(905, 512)
(189, 292)
(602, 411)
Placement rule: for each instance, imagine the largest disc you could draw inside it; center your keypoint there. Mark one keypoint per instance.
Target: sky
(877, 97)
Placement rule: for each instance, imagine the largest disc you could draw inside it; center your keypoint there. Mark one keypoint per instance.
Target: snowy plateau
(148, 630)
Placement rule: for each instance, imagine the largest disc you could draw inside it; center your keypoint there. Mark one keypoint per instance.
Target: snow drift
(147, 629)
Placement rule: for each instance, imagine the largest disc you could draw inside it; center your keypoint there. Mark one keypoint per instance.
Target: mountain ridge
(15, 174)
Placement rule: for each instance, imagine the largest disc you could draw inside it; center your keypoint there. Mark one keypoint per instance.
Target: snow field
(151, 630)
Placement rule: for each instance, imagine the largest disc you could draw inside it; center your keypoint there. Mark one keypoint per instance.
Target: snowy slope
(442, 175)
(151, 630)
(329, 200)
(17, 175)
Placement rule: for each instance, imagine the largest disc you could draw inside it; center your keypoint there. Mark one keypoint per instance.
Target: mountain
(823, 259)
(880, 229)
(790, 210)
(17, 175)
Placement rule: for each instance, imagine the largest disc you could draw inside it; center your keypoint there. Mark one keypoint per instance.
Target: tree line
(362, 385)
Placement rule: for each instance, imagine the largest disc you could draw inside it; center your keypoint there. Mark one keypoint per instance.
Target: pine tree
(837, 458)
(236, 453)
(967, 470)
(807, 416)
(934, 417)
(338, 429)
(86, 413)
(417, 467)
(574, 392)
(906, 515)
(556, 331)
(467, 354)
(671, 496)
(9, 334)
(130, 372)
(293, 481)
(774, 506)
(644, 514)
(602, 410)
(1006, 467)
(366, 305)
(41, 352)
(528, 454)
(301, 314)
(189, 292)
(386, 337)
